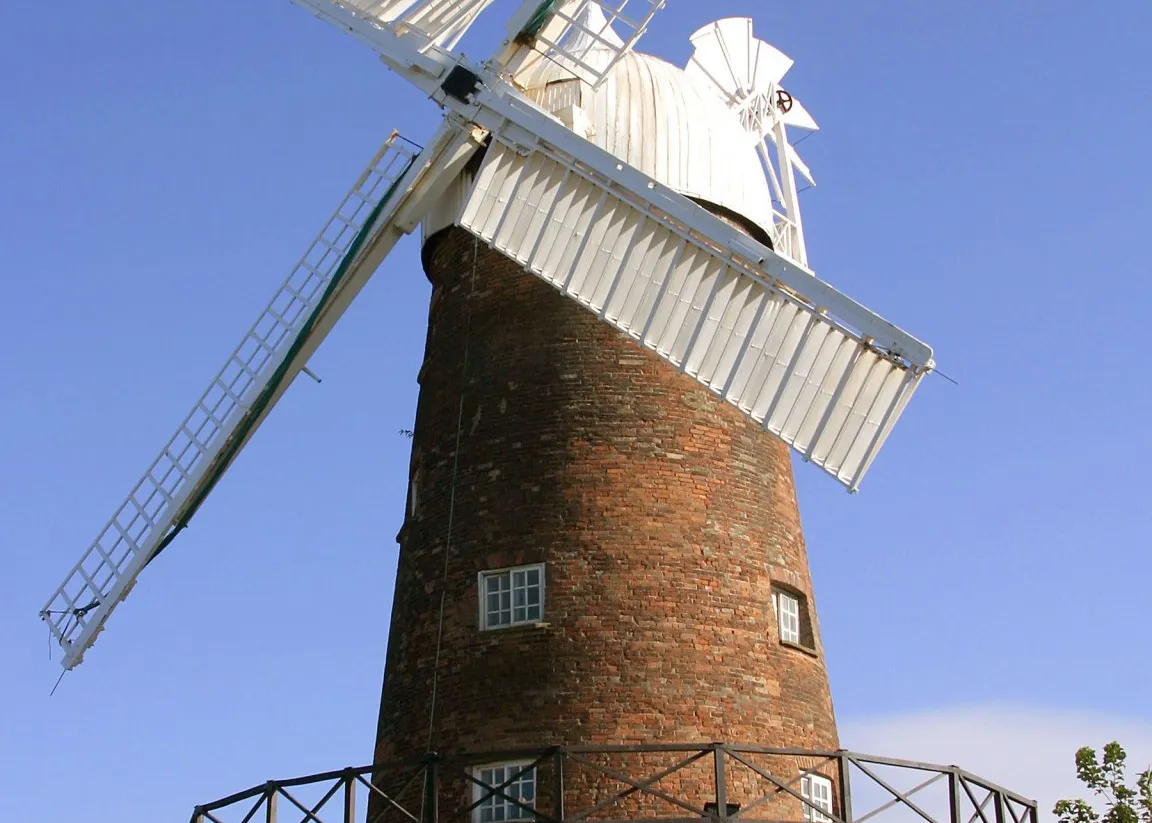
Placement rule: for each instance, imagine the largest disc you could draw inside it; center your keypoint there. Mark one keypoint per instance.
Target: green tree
(1108, 780)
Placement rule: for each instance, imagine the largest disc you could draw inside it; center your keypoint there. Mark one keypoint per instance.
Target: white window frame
(503, 810)
(529, 618)
(788, 620)
(817, 790)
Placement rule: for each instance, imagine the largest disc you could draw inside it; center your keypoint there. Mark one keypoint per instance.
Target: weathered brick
(663, 517)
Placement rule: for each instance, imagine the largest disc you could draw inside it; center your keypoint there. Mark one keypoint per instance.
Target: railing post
(843, 767)
(350, 797)
(718, 756)
(999, 801)
(558, 785)
(954, 795)
(431, 810)
(270, 794)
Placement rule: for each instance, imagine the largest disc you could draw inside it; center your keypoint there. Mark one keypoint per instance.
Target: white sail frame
(796, 368)
(387, 201)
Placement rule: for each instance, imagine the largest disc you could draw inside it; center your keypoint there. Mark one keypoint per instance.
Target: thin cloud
(1027, 750)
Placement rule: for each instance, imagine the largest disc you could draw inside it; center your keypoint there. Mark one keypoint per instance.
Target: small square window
(511, 597)
(817, 792)
(787, 606)
(515, 780)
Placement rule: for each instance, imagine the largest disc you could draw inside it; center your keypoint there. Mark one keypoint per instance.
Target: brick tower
(596, 551)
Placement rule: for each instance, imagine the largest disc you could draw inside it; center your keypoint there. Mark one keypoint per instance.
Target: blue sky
(984, 182)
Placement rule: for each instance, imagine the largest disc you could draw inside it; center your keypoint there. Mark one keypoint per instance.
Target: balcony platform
(667, 783)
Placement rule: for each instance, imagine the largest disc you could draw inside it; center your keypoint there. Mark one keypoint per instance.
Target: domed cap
(655, 117)
(663, 121)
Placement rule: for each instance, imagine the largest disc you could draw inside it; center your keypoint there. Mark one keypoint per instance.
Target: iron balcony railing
(622, 784)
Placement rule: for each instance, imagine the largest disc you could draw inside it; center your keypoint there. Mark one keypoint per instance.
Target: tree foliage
(1108, 780)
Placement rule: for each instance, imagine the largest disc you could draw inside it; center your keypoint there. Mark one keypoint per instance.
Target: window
(414, 494)
(793, 619)
(511, 597)
(516, 780)
(817, 791)
(787, 606)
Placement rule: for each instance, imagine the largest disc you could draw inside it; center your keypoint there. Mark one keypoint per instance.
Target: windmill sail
(584, 36)
(440, 22)
(376, 213)
(787, 359)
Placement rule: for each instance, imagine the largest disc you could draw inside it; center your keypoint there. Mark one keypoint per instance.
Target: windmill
(742, 315)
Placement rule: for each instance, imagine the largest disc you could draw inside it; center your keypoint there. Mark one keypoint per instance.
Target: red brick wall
(663, 517)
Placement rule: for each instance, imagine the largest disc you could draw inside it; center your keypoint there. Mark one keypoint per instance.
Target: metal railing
(666, 783)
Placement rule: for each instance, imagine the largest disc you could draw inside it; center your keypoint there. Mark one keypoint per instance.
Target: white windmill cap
(665, 122)
(654, 116)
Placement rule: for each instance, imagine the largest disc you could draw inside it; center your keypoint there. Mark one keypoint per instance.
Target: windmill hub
(460, 84)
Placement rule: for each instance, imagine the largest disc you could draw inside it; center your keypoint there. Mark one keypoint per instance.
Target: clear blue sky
(985, 181)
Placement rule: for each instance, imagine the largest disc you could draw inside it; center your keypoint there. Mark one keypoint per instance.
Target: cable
(452, 491)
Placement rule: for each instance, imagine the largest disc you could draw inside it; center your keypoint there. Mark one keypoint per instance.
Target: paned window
(817, 791)
(512, 597)
(787, 615)
(516, 780)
